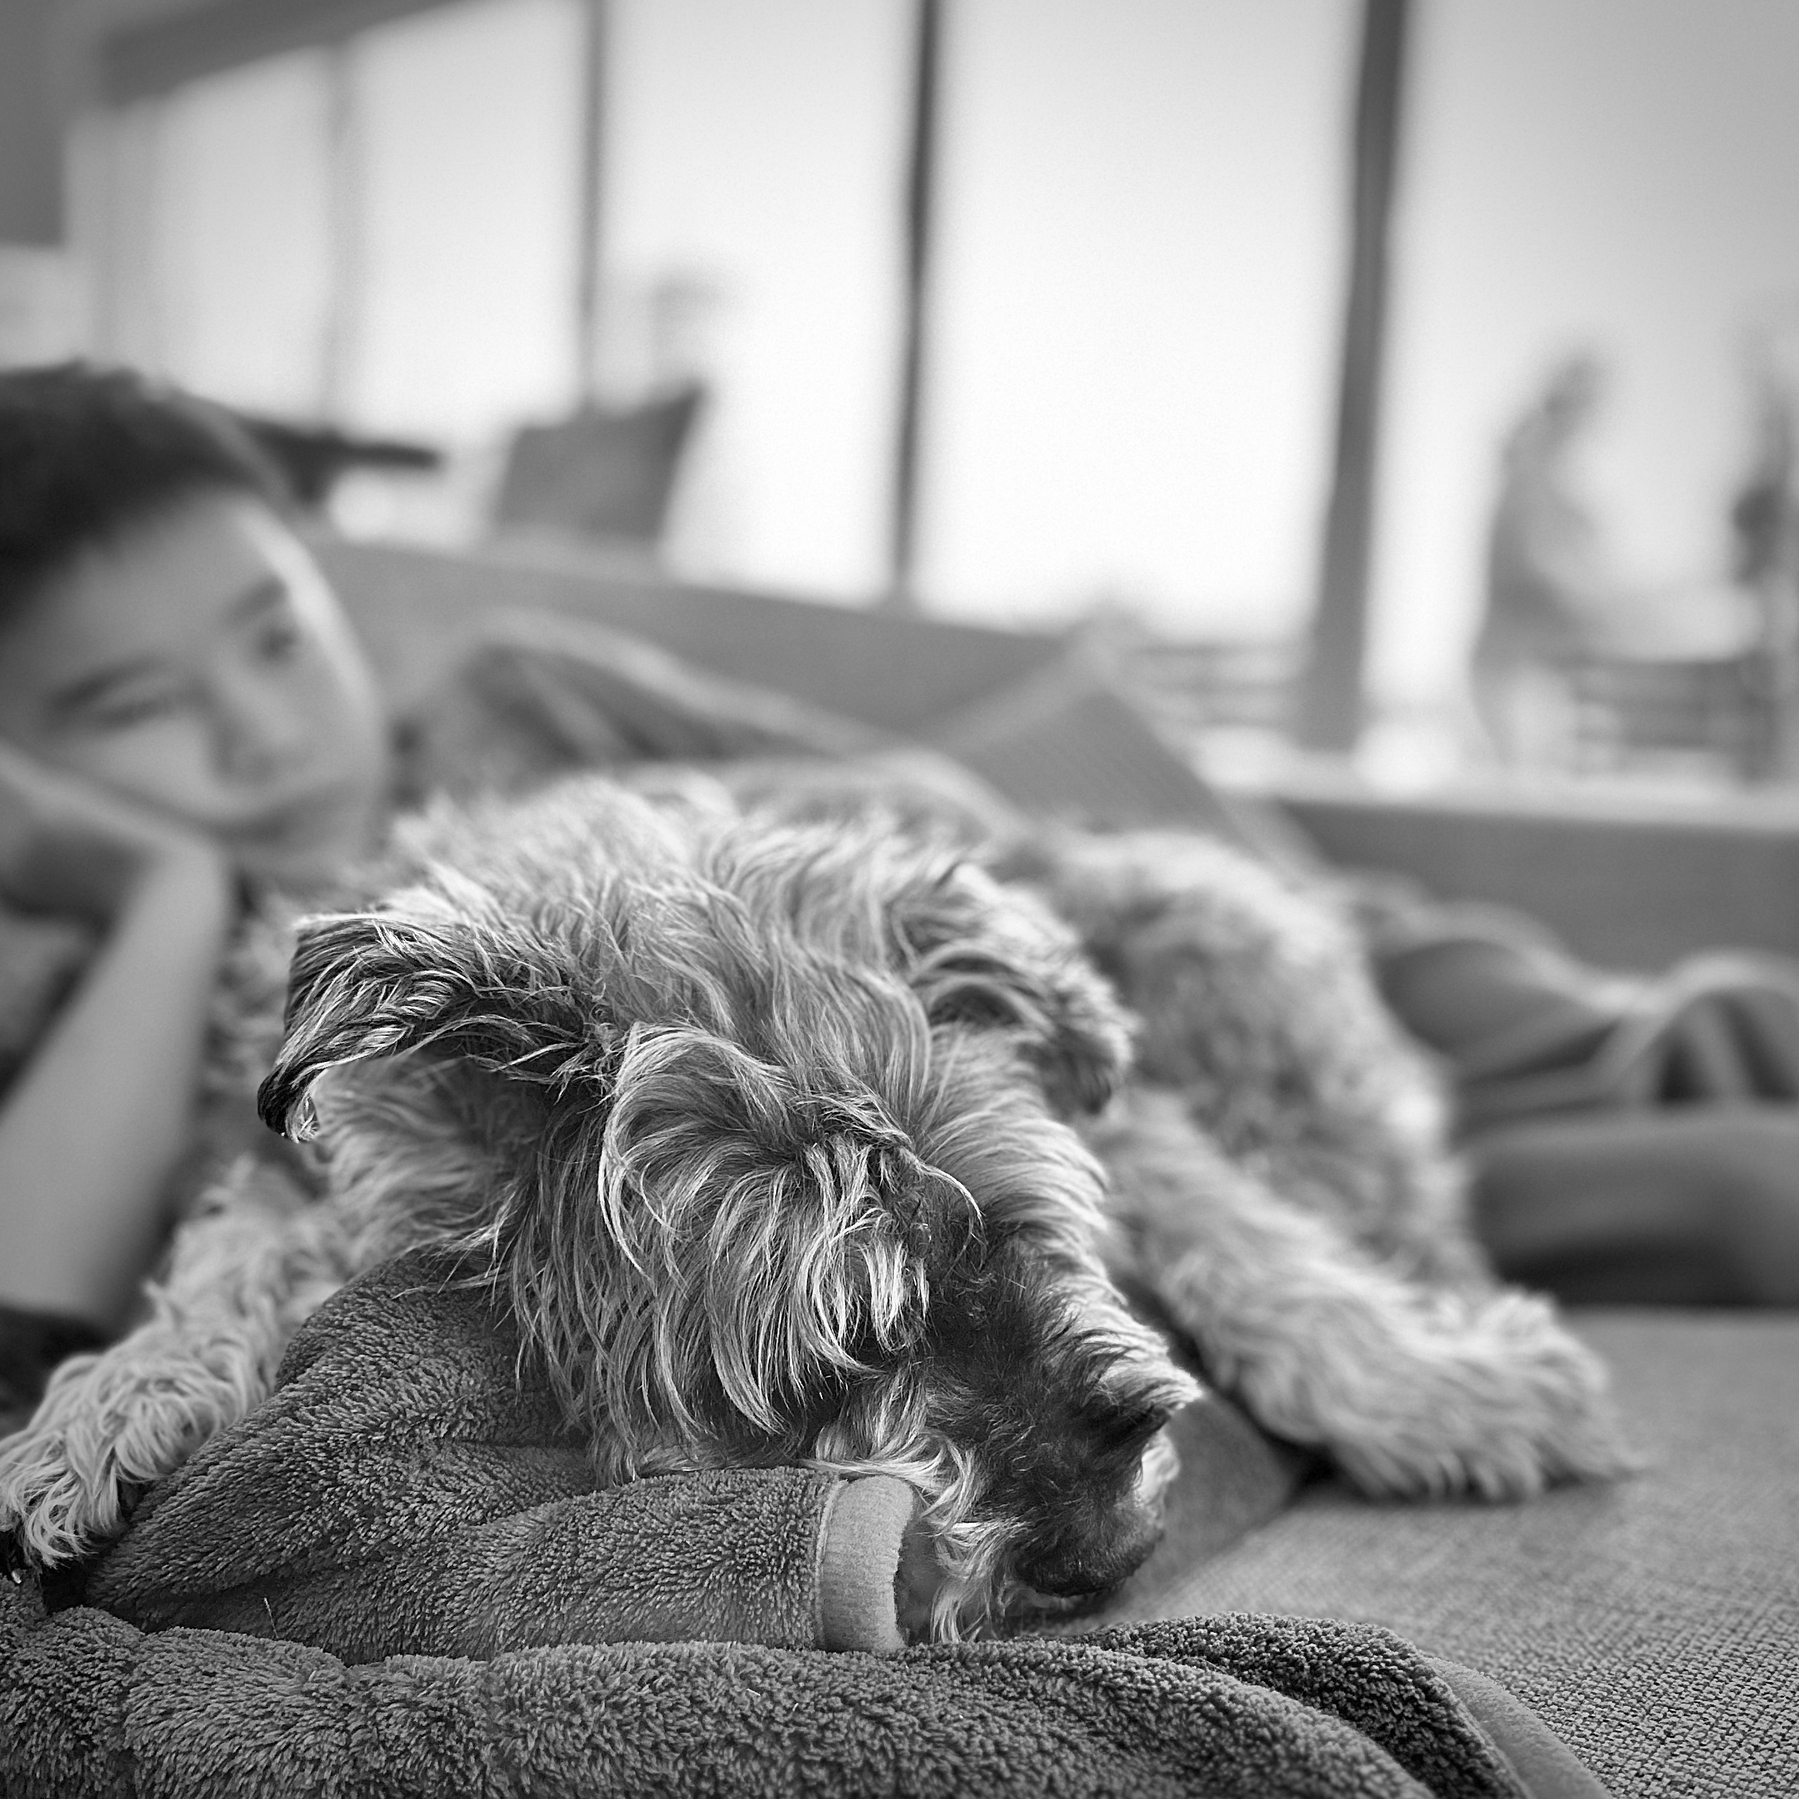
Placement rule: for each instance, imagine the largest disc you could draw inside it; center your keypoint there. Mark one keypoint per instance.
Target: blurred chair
(603, 475)
(311, 457)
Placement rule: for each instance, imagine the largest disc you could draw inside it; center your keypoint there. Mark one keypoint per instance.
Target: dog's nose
(1097, 1562)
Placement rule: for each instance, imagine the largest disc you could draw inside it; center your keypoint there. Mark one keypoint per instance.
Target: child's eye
(130, 710)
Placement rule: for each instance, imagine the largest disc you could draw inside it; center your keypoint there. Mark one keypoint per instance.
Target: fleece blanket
(409, 1584)
(1231, 1707)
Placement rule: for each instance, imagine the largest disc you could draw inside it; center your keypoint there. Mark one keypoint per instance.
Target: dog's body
(767, 1133)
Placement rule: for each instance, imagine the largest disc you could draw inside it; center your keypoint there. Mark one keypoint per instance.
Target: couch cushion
(1653, 1624)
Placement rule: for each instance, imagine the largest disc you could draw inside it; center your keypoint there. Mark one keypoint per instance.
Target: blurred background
(1416, 383)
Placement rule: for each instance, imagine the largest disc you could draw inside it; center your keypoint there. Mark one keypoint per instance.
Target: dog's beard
(981, 1549)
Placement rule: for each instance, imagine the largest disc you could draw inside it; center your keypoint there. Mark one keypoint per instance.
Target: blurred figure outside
(1546, 579)
(1764, 524)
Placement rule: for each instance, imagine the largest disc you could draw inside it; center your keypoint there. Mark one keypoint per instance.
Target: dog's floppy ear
(769, 1237)
(370, 984)
(982, 954)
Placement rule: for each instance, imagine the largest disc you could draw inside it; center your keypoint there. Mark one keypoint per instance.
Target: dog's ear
(769, 1235)
(371, 984)
(981, 954)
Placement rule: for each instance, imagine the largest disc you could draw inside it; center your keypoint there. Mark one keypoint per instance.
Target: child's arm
(95, 1123)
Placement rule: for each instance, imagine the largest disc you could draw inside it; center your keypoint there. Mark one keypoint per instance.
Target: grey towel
(410, 1488)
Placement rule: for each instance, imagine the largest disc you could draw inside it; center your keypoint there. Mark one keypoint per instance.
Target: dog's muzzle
(1106, 1558)
(1095, 1567)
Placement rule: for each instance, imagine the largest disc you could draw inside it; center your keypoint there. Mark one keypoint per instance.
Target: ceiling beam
(31, 197)
(141, 60)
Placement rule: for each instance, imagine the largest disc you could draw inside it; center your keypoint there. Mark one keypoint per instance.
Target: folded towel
(410, 1488)
(1230, 1707)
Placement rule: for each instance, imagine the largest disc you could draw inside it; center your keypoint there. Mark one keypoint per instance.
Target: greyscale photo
(899, 897)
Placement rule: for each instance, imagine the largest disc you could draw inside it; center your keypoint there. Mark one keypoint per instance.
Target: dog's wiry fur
(766, 1132)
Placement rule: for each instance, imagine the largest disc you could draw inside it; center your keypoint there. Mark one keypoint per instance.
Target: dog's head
(752, 1126)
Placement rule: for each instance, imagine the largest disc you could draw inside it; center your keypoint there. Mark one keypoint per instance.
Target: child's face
(198, 663)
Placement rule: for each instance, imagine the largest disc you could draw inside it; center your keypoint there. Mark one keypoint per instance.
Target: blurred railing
(1633, 713)
(1196, 688)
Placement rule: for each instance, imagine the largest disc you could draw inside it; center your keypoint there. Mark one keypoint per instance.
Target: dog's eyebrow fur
(373, 984)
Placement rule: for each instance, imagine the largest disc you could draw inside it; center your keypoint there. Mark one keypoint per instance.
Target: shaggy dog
(779, 1138)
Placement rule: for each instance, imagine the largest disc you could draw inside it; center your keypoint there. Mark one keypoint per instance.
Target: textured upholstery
(1654, 1624)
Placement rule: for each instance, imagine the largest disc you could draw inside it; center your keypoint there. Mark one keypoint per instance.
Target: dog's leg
(245, 1274)
(1254, 1000)
(1410, 1390)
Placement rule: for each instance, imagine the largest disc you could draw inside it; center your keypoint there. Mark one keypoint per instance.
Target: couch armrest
(1626, 881)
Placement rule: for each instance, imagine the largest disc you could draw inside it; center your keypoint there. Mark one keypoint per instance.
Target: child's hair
(87, 451)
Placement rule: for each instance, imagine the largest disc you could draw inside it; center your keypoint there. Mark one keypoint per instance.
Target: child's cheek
(166, 765)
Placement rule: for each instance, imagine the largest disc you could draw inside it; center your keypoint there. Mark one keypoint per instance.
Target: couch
(1655, 1623)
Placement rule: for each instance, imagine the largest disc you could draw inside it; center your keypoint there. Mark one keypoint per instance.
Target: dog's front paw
(59, 1500)
(109, 1426)
(1492, 1397)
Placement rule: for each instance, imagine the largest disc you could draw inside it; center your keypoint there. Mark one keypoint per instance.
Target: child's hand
(69, 846)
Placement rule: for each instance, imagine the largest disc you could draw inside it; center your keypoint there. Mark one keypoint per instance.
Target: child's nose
(257, 734)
